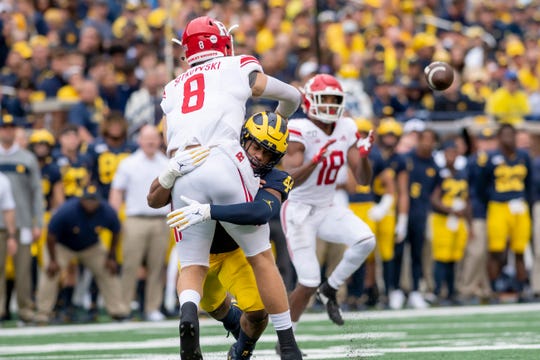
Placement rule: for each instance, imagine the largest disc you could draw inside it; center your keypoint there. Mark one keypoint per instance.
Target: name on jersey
(204, 67)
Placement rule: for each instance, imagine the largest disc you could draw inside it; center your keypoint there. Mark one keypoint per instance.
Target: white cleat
(416, 301)
(396, 299)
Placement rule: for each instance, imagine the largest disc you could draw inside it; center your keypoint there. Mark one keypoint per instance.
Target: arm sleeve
(289, 97)
(6, 196)
(37, 194)
(258, 212)
(121, 177)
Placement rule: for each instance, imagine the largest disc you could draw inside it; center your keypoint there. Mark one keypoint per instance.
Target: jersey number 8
(193, 94)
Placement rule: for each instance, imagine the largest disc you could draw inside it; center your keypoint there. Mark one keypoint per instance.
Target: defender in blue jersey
(265, 143)
(506, 186)
(423, 178)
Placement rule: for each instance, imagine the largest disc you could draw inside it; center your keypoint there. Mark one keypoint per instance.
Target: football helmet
(41, 136)
(269, 130)
(389, 125)
(205, 38)
(313, 105)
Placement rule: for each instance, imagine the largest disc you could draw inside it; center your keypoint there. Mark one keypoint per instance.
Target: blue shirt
(76, 229)
(474, 167)
(50, 175)
(504, 179)
(105, 160)
(82, 114)
(424, 176)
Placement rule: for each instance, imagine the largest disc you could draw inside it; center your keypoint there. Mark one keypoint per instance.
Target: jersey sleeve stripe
(249, 62)
(245, 59)
(295, 132)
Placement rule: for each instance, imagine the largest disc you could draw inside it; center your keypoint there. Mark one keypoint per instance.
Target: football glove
(379, 211)
(182, 163)
(192, 214)
(322, 152)
(364, 145)
(401, 228)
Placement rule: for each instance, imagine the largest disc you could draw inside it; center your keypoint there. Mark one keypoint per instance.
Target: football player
(507, 188)
(319, 146)
(450, 221)
(264, 138)
(205, 107)
(423, 178)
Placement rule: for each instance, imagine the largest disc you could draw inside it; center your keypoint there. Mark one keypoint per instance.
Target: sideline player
(507, 188)
(264, 138)
(204, 107)
(319, 146)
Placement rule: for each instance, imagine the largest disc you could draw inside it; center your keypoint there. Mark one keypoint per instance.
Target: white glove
(401, 228)
(377, 212)
(452, 222)
(517, 206)
(182, 163)
(189, 215)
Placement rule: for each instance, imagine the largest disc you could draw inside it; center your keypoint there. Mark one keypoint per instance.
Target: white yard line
(306, 318)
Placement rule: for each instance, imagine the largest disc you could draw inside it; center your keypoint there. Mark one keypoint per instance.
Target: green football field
(480, 332)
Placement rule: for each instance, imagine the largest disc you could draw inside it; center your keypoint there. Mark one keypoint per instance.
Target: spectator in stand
(89, 112)
(143, 106)
(509, 104)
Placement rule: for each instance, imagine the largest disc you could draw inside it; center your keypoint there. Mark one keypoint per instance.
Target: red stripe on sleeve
(295, 132)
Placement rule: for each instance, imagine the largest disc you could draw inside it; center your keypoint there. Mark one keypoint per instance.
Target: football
(439, 75)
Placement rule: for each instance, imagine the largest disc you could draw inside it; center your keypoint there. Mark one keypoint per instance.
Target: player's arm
(266, 204)
(383, 207)
(158, 196)
(269, 87)
(58, 196)
(358, 158)
(293, 163)
(402, 185)
(436, 201)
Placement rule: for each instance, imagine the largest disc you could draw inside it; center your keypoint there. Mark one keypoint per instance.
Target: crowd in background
(92, 71)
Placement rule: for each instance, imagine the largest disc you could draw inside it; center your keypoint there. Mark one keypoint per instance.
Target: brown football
(439, 75)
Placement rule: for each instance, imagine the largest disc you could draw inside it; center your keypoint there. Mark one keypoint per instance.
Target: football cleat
(189, 333)
(416, 301)
(327, 295)
(233, 353)
(292, 354)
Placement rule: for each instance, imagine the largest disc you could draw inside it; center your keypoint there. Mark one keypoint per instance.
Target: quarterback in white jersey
(205, 112)
(319, 147)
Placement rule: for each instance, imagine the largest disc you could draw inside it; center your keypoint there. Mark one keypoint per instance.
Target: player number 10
(330, 168)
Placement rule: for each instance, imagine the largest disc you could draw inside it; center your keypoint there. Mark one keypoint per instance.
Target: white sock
(352, 259)
(189, 296)
(281, 321)
(294, 325)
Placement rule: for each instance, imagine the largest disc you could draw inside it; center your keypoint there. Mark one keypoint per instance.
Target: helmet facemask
(326, 111)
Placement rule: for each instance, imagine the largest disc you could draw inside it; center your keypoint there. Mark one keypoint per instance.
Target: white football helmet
(313, 105)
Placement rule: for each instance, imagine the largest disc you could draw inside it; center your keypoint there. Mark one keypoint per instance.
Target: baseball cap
(91, 192)
(487, 133)
(414, 125)
(8, 120)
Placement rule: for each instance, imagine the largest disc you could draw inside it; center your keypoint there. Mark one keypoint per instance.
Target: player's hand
(53, 268)
(182, 163)
(322, 152)
(401, 228)
(192, 214)
(379, 211)
(364, 145)
(112, 265)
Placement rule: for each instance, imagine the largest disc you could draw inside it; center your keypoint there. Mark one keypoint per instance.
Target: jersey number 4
(330, 168)
(193, 94)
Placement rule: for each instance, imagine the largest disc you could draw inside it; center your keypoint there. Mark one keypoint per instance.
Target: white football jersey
(320, 186)
(207, 103)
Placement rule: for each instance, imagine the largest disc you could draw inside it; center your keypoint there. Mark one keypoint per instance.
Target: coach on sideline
(73, 234)
(145, 233)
